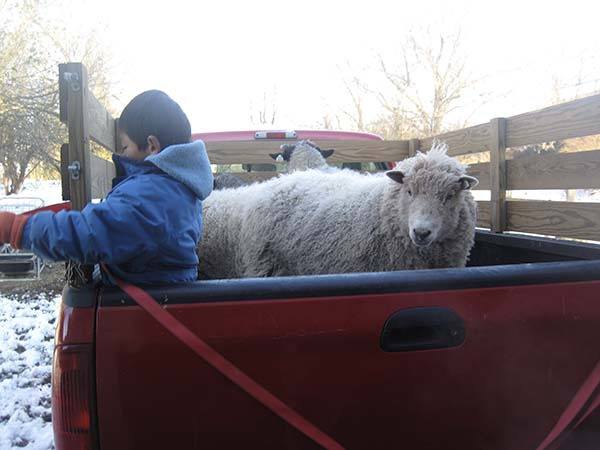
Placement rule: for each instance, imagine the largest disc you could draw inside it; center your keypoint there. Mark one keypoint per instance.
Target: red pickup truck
(485, 357)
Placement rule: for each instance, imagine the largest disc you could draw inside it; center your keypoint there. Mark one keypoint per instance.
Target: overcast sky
(217, 57)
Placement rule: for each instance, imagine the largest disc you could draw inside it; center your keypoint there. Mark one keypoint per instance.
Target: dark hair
(155, 113)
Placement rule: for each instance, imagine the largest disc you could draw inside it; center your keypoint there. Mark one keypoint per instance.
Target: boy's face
(133, 151)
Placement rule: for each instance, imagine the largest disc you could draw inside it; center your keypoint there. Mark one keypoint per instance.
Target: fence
(89, 176)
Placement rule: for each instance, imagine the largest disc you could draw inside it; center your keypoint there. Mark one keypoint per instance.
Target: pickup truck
(491, 356)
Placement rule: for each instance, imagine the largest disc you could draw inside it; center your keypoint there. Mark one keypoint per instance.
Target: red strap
(16, 231)
(54, 208)
(234, 374)
(583, 396)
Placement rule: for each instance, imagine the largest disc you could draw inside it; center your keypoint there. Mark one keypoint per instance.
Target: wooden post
(73, 94)
(498, 175)
(413, 147)
(74, 97)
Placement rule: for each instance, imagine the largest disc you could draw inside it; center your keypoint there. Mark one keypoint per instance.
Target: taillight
(275, 135)
(73, 398)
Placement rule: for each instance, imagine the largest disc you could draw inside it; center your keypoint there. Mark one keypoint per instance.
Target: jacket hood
(188, 164)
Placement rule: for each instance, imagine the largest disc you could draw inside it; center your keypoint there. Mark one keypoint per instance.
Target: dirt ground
(52, 281)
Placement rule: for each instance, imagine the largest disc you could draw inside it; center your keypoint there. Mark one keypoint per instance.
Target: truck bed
(363, 356)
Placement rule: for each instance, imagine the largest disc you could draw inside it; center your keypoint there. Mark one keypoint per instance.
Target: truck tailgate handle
(424, 328)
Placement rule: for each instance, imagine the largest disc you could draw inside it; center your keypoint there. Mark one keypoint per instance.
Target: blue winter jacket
(147, 228)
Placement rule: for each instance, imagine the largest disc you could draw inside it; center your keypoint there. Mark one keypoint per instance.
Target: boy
(147, 229)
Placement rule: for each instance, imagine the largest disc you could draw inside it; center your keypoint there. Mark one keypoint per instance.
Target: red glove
(11, 228)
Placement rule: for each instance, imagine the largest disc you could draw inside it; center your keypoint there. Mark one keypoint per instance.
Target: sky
(218, 58)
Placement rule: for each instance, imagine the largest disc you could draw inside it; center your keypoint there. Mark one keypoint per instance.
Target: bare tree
(422, 85)
(330, 122)
(427, 82)
(356, 90)
(30, 130)
(266, 114)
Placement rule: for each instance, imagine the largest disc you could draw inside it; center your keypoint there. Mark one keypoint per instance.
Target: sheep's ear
(327, 153)
(468, 182)
(396, 175)
(275, 155)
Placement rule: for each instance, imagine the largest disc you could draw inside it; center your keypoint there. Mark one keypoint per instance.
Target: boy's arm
(113, 231)
(11, 228)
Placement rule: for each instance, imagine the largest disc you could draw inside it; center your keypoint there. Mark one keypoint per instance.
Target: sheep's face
(432, 199)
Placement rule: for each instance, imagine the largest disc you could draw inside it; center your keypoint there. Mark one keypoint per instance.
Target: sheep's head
(432, 185)
(306, 155)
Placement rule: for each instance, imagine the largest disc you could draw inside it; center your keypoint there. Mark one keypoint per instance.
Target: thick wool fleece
(311, 222)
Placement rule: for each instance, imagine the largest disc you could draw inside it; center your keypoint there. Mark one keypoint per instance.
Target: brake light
(275, 135)
(73, 398)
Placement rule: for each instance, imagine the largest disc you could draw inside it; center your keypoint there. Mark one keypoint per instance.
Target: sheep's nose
(421, 233)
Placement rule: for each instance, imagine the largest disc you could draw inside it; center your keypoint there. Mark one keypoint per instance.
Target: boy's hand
(11, 228)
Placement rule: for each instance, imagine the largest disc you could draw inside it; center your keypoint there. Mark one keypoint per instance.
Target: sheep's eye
(410, 192)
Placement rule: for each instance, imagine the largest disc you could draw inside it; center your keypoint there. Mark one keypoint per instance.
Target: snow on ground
(27, 326)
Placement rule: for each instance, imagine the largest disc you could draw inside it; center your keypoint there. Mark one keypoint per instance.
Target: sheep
(303, 155)
(227, 181)
(421, 216)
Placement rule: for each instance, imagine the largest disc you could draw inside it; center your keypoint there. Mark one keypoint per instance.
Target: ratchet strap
(583, 404)
(212, 357)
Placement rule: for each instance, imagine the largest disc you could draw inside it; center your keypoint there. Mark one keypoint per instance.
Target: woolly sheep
(227, 181)
(303, 155)
(420, 216)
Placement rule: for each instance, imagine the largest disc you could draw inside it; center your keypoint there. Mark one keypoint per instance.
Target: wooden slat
(483, 214)
(555, 171)
(103, 172)
(498, 175)
(101, 124)
(257, 152)
(481, 171)
(474, 139)
(567, 120)
(79, 144)
(566, 219)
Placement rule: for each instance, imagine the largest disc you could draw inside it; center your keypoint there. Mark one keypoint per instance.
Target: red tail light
(73, 398)
(275, 135)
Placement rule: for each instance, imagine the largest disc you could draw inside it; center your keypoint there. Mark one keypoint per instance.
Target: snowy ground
(26, 342)
(27, 323)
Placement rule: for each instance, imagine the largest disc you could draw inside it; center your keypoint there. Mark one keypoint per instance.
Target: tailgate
(318, 343)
